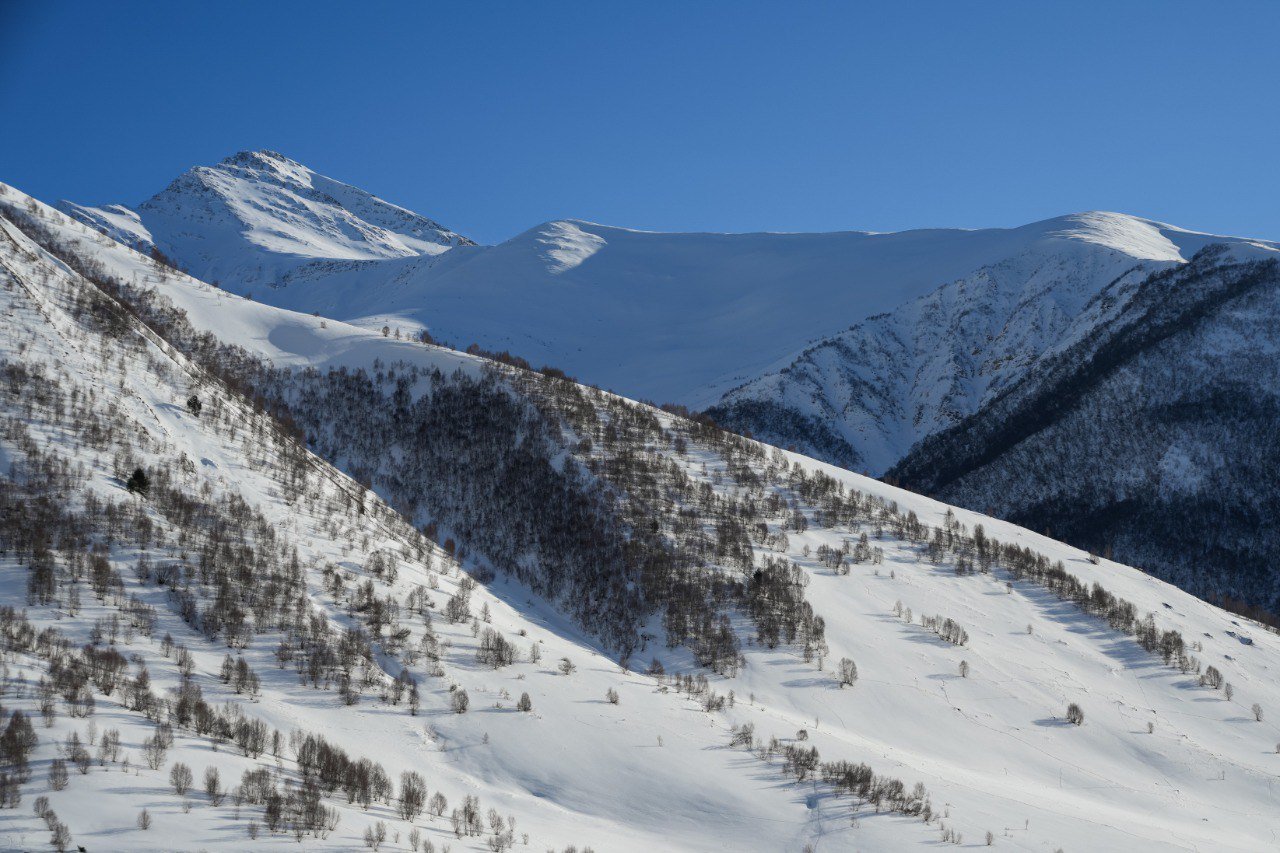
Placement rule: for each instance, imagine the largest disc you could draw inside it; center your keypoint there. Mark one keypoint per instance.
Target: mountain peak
(263, 155)
(1136, 236)
(257, 216)
(265, 164)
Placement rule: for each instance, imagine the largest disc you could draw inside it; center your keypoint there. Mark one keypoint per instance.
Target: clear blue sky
(674, 116)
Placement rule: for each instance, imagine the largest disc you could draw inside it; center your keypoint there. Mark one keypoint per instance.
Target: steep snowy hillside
(258, 215)
(1149, 432)
(114, 220)
(865, 397)
(339, 620)
(810, 659)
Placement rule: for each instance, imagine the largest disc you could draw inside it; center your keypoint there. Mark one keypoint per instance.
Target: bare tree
(153, 749)
(58, 774)
(848, 672)
(374, 835)
(213, 786)
(61, 839)
(413, 794)
(180, 777)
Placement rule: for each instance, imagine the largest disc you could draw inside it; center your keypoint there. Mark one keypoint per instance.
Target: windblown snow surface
(654, 771)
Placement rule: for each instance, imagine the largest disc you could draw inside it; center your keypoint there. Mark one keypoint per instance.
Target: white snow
(116, 221)
(992, 748)
(258, 215)
(667, 317)
(684, 317)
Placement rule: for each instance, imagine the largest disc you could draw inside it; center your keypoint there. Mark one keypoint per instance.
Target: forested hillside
(872, 351)
(1151, 437)
(272, 578)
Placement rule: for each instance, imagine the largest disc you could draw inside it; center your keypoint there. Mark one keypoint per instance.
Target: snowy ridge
(668, 317)
(654, 770)
(866, 396)
(257, 215)
(1145, 429)
(686, 317)
(1135, 419)
(115, 221)
(880, 387)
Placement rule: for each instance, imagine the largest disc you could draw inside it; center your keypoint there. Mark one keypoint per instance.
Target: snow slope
(547, 768)
(1149, 429)
(654, 771)
(668, 317)
(864, 397)
(257, 215)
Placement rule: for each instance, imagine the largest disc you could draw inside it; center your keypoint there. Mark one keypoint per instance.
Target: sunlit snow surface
(883, 337)
(993, 749)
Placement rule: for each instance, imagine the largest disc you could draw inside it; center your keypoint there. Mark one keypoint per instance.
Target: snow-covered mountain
(680, 318)
(734, 579)
(1149, 431)
(864, 397)
(1139, 419)
(851, 347)
(258, 215)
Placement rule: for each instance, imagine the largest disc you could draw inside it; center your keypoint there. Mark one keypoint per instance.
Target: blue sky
(672, 116)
